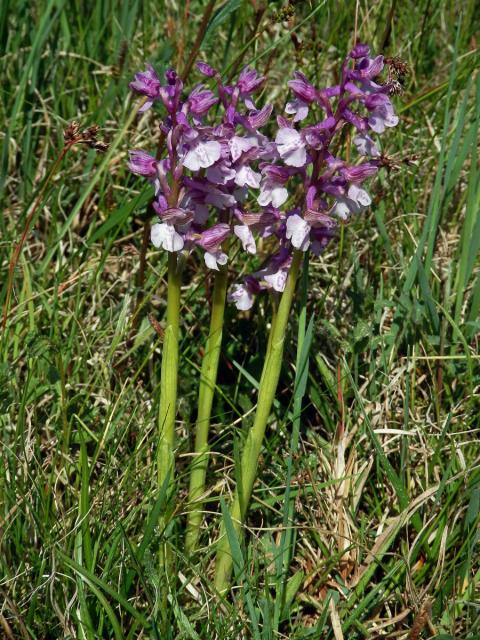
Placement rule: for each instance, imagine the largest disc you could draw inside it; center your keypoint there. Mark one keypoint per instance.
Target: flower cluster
(330, 188)
(202, 184)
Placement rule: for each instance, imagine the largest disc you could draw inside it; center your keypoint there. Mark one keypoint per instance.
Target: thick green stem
(168, 381)
(253, 444)
(208, 381)
(167, 413)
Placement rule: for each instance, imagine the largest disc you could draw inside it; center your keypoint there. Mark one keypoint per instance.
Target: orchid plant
(201, 198)
(221, 181)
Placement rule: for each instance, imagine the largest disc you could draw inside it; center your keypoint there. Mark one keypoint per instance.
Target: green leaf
(219, 17)
(91, 579)
(293, 585)
(118, 217)
(239, 565)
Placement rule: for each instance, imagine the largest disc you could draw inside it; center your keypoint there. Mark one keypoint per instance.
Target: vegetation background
(384, 482)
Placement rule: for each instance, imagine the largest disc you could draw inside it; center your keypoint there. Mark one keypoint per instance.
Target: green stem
(168, 381)
(166, 417)
(253, 444)
(208, 380)
(287, 541)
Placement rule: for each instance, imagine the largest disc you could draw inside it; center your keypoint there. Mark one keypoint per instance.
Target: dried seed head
(73, 135)
(395, 88)
(397, 71)
(71, 131)
(390, 163)
(283, 15)
(99, 145)
(397, 67)
(91, 132)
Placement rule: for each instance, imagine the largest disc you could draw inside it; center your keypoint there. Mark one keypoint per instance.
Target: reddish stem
(18, 249)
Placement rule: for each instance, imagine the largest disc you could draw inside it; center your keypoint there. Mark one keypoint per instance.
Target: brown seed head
(99, 145)
(397, 67)
(71, 131)
(91, 132)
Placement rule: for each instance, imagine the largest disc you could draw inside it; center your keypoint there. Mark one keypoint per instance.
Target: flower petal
(246, 176)
(242, 231)
(359, 196)
(165, 236)
(202, 155)
(298, 231)
(240, 295)
(212, 260)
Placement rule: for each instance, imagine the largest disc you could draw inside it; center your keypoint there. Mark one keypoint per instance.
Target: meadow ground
(381, 495)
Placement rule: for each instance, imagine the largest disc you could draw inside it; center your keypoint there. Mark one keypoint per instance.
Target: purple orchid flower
(147, 83)
(334, 189)
(142, 163)
(210, 167)
(242, 295)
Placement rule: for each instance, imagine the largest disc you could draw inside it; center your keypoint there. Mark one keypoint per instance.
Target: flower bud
(359, 51)
(206, 69)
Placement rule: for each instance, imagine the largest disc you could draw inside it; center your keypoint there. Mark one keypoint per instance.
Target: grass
(365, 515)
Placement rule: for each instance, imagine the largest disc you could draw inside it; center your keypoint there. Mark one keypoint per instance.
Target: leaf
(118, 217)
(293, 585)
(302, 369)
(91, 579)
(219, 17)
(239, 565)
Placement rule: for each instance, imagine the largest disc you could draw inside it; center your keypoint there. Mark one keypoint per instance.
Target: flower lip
(298, 232)
(245, 235)
(202, 155)
(215, 258)
(242, 294)
(275, 272)
(291, 147)
(381, 117)
(366, 146)
(165, 236)
(298, 108)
